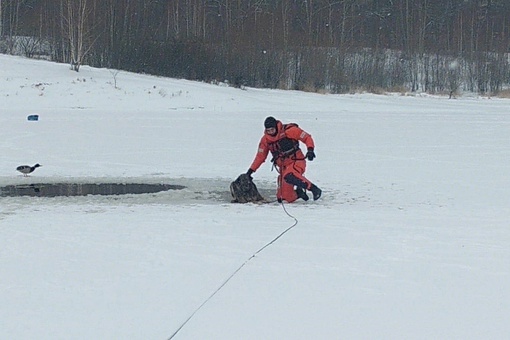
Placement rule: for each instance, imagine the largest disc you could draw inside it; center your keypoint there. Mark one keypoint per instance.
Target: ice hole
(83, 189)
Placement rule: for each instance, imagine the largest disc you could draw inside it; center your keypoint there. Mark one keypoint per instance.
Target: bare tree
(78, 30)
(1, 21)
(315, 44)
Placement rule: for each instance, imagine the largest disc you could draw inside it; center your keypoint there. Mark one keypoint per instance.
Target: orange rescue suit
(287, 157)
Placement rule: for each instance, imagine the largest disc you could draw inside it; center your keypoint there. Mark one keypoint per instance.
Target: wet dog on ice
(243, 190)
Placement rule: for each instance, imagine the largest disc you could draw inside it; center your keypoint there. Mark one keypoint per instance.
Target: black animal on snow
(243, 190)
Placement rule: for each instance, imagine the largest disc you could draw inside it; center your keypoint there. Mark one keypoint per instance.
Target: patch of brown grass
(503, 94)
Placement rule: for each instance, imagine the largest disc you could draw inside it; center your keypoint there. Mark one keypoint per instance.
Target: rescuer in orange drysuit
(282, 140)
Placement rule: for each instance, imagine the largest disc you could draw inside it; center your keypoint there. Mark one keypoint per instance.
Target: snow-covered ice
(409, 241)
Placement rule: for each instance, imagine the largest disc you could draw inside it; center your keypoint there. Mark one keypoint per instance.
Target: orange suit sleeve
(261, 155)
(297, 133)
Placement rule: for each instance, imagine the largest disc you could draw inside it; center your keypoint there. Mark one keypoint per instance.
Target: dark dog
(243, 190)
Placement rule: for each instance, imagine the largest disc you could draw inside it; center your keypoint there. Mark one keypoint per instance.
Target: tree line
(318, 45)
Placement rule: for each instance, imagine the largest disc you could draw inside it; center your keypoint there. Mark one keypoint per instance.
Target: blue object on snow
(33, 117)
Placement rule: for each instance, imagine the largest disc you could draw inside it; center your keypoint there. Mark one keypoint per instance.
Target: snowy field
(410, 240)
